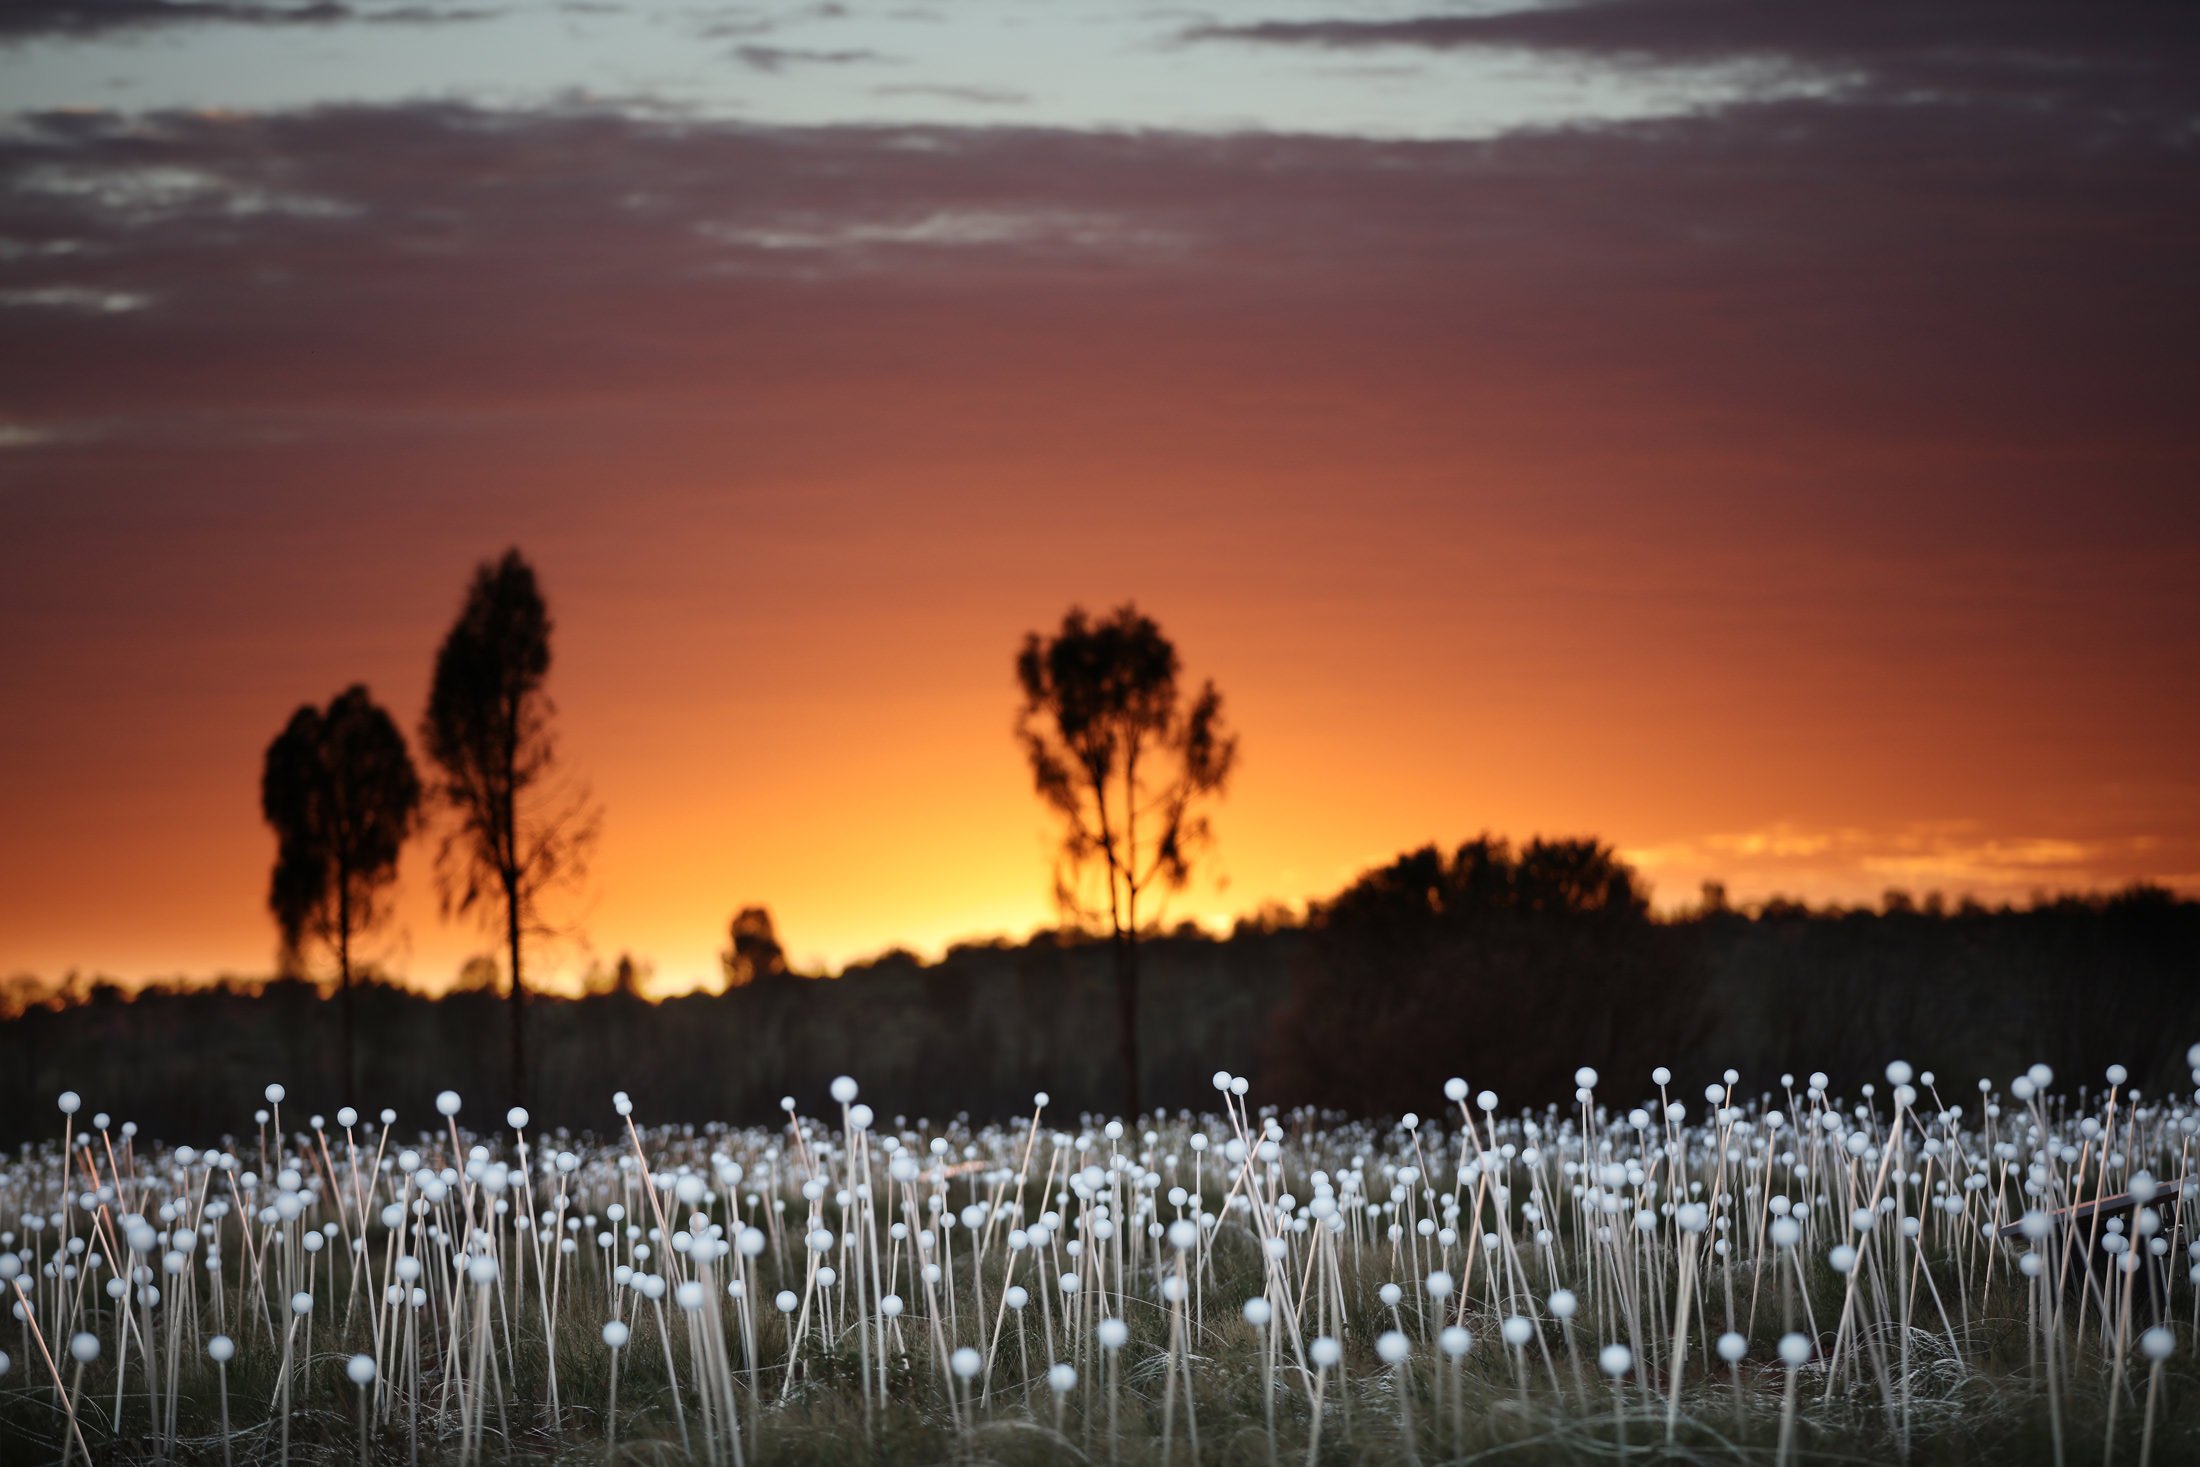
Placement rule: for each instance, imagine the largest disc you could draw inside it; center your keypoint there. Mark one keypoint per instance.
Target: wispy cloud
(20, 19)
(982, 95)
(2099, 51)
(25, 435)
(146, 192)
(943, 229)
(1857, 864)
(88, 299)
(17, 435)
(775, 59)
(1856, 30)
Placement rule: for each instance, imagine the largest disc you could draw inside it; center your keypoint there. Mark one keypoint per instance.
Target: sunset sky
(1759, 433)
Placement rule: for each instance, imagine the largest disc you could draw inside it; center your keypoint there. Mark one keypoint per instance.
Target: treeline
(1514, 969)
(1508, 966)
(980, 1031)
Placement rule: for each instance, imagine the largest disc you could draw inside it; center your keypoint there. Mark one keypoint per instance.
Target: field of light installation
(1918, 1273)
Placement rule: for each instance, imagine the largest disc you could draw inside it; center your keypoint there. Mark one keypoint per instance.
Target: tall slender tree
(339, 788)
(1126, 762)
(517, 828)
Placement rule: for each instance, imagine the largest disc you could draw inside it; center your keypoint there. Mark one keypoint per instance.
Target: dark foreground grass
(1988, 1408)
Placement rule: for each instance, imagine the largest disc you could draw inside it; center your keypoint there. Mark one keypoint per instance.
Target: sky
(1758, 435)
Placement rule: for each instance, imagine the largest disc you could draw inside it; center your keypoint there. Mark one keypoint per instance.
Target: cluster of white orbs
(1440, 1203)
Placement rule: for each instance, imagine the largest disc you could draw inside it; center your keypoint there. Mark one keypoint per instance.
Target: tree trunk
(1126, 1013)
(343, 996)
(519, 997)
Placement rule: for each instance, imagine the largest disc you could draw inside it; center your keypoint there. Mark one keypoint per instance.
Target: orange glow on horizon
(868, 793)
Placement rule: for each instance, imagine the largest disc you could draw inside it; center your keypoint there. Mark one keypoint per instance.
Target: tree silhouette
(518, 830)
(623, 978)
(340, 791)
(1433, 958)
(753, 952)
(1126, 763)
